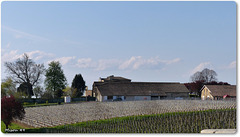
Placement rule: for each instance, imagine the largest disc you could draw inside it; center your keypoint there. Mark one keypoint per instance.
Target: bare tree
(209, 75)
(205, 76)
(197, 77)
(25, 70)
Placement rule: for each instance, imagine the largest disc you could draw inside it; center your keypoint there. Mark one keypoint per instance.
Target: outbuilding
(218, 92)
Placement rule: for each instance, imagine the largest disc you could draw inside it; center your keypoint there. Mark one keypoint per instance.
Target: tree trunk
(29, 90)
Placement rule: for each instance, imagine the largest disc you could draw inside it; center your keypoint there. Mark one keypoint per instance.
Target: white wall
(129, 98)
(132, 98)
(99, 97)
(104, 98)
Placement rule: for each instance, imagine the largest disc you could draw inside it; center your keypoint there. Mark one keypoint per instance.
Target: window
(154, 97)
(109, 97)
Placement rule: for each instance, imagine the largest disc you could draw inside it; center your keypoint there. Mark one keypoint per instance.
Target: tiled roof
(138, 88)
(221, 90)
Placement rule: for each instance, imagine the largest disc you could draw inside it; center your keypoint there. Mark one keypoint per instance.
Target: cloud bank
(132, 63)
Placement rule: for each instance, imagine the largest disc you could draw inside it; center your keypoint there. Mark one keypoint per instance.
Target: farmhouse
(110, 88)
(217, 92)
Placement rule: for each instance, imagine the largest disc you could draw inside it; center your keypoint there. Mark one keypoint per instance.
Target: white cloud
(128, 63)
(101, 64)
(34, 55)
(168, 62)
(201, 66)
(85, 63)
(37, 55)
(139, 62)
(134, 63)
(232, 65)
(10, 56)
(63, 60)
(104, 64)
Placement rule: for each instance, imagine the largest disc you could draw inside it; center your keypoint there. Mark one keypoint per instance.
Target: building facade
(111, 88)
(218, 92)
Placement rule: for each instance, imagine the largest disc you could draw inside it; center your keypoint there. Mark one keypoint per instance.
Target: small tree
(8, 87)
(11, 109)
(47, 95)
(195, 87)
(78, 84)
(67, 91)
(20, 95)
(38, 91)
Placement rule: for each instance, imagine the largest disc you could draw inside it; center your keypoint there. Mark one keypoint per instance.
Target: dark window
(110, 97)
(154, 97)
(163, 97)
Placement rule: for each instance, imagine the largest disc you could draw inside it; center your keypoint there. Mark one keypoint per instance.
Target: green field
(179, 122)
(12, 126)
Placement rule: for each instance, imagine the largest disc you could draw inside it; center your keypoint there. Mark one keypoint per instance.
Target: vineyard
(179, 122)
(51, 116)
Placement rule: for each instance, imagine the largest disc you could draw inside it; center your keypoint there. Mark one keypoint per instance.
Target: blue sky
(143, 41)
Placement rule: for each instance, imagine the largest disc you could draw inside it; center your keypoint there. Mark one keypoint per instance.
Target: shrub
(11, 109)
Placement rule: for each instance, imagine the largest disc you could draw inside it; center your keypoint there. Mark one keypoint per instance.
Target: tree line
(27, 74)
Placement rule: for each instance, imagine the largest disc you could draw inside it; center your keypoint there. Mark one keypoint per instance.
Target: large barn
(218, 92)
(111, 88)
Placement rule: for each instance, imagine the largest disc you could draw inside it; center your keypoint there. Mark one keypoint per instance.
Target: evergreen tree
(55, 78)
(78, 85)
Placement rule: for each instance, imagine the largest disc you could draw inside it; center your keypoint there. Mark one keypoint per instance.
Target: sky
(144, 41)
